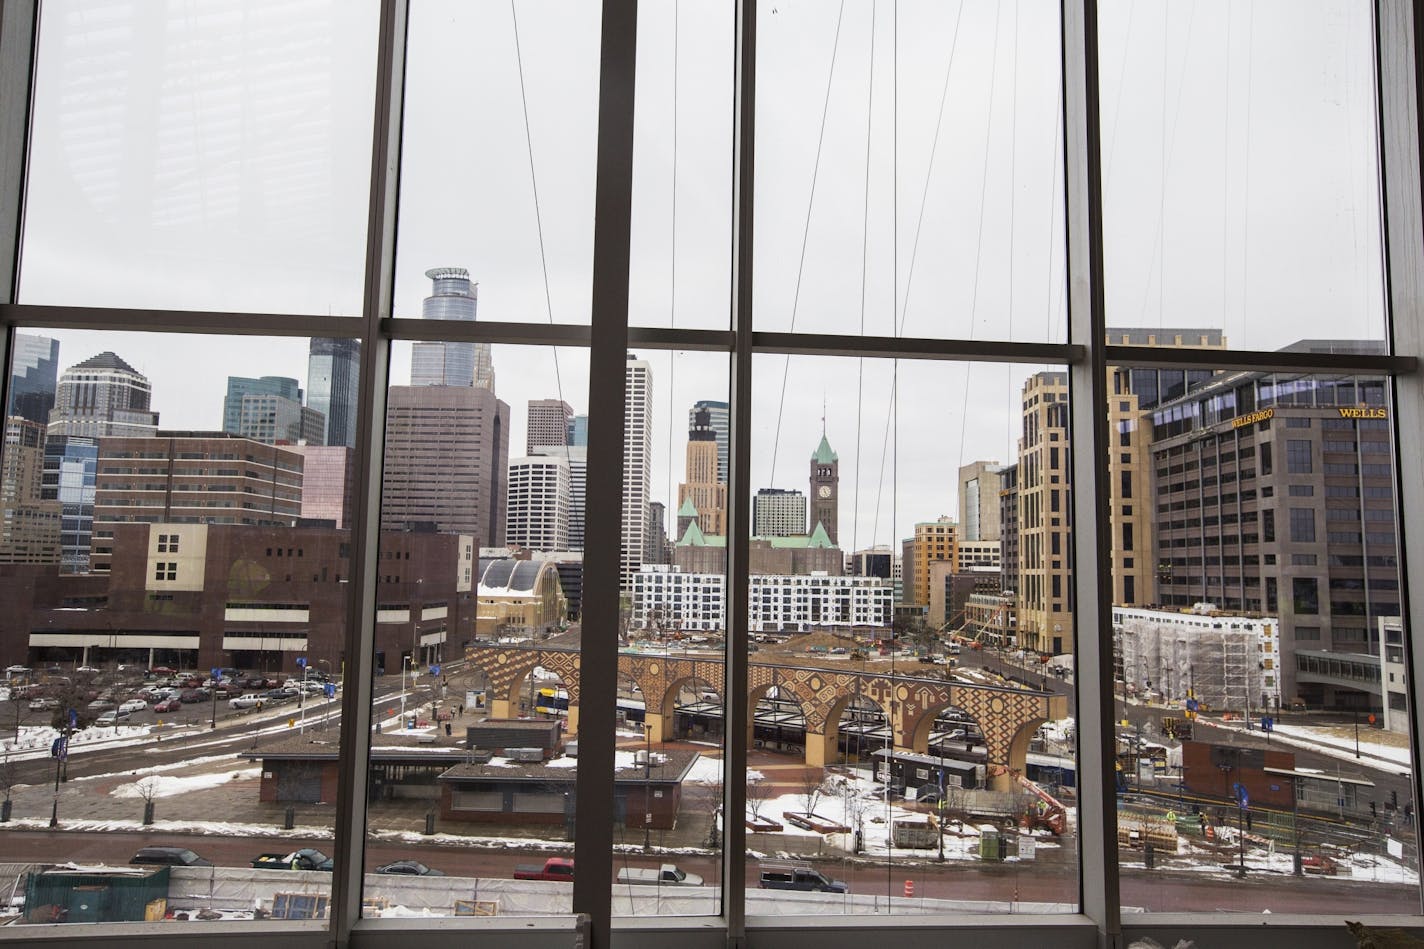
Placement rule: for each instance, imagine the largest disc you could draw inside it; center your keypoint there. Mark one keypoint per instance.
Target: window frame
(607, 339)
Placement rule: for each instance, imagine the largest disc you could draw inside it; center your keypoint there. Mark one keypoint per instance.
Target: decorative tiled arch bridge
(1007, 717)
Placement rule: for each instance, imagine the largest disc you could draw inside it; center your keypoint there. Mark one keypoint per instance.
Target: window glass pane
(203, 156)
(175, 617)
(682, 169)
(1240, 174)
(1265, 726)
(908, 170)
(913, 683)
(478, 591)
(497, 162)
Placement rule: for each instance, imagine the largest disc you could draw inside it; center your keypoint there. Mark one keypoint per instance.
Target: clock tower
(825, 489)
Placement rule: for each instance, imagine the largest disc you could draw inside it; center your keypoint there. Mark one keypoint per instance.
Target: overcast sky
(220, 162)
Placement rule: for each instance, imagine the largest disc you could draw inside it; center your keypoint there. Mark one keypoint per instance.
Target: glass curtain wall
(812, 299)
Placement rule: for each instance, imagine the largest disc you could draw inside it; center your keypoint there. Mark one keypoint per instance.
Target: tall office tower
(71, 463)
(1009, 527)
(1152, 385)
(1045, 508)
(934, 542)
(979, 500)
(34, 369)
(272, 419)
(453, 297)
(719, 419)
(333, 369)
(578, 431)
(447, 460)
(577, 458)
(328, 477)
(29, 531)
(702, 488)
(655, 542)
(825, 490)
(182, 480)
(539, 502)
(240, 387)
(637, 458)
(103, 395)
(547, 424)
(778, 512)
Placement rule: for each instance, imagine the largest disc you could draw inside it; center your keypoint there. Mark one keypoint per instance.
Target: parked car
(410, 868)
(799, 878)
(133, 705)
(110, 718)
(167, 705)
(195, 695)
(245, 701)
(44, 703)
(98, 705)
(169, 857)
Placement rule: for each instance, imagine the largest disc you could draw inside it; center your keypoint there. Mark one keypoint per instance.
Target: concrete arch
(924, 725)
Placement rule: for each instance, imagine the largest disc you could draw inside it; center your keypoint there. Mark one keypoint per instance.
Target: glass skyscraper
(332, 371)
(34, 372)
(439, 363)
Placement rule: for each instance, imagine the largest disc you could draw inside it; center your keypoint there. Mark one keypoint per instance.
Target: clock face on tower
(824, 491)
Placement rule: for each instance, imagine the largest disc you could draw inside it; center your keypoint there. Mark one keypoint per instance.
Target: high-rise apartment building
(438, 363)
(547, 424)
(103, 395)
(539, 503)
(327, 480)
(576, 456)
(637, 458)
(30, 529)
(192, 478)
(701, 486)
(1009, 527)
(778, 512)
(979, 484)
(1045, 613)
(34, 370)
(333, 369)
(719, 419)
(825, 490)
(447, 461)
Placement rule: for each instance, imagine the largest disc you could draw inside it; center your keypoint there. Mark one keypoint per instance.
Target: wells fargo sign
(1363, 413)
(1253, 418)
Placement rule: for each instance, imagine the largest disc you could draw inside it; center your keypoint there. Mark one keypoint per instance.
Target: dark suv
(169, 857)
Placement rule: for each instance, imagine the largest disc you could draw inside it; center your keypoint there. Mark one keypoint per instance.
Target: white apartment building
(667, 596)
(637, 457)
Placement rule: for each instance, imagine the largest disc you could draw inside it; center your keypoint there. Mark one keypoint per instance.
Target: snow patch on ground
(156, 786)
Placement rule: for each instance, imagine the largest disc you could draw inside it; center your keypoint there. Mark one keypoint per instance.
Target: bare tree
(148, 790)
(14, 712)
(758, 793)
(709, 792)
(812, 787)
(9, 775)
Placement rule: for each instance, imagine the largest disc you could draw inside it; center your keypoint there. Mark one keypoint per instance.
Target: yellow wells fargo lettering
(1253, 418)
(1363, 413)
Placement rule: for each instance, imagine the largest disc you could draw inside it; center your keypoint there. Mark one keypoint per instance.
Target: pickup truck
(555, 868)
(666, 875)
(305, 859)
(799, 878)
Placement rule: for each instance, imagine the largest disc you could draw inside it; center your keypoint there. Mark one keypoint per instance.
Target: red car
(168, 705)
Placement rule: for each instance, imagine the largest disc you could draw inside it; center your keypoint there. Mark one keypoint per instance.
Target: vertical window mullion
(1097, 816)
(374, 376)
(1397, 72)
(598, 673)
(18, 23)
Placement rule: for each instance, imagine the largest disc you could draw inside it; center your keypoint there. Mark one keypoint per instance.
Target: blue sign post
(1267, 725)
(435, 669)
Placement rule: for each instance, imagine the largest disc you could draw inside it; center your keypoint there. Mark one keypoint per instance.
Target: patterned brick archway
(1007, 717)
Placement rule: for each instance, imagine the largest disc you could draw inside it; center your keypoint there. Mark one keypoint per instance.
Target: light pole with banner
(302, 694)
(217, 678)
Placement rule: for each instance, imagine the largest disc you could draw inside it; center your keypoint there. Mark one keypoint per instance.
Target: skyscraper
(825, 490)
(332, 371)
(447, 461)
(578, 431)
(34, 370)
(577, 458)
(719, 420)
(239, 387)
(438, 363)
(539, 502)
(707, 494)
(71, 463)
(637, 455)
(547, 424)
(327, 480)
(103, 395)
(29, 532)
(271, 419)
(979, 484)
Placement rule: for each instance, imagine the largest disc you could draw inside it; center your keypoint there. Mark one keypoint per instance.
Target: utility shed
(500, 734)
(77, 894)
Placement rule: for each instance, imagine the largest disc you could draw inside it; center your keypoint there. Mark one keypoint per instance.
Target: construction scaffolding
(1224, 665)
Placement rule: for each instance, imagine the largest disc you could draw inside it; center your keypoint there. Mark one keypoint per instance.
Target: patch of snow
(168, 786)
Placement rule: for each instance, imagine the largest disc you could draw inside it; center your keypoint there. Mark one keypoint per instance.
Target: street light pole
(647, 783)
